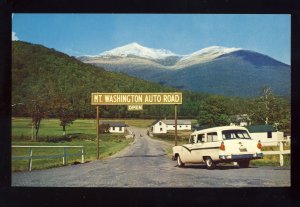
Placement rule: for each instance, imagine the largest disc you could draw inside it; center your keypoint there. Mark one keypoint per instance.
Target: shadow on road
(160, 155)
(218, 167)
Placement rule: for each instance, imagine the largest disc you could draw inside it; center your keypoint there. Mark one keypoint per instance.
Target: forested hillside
(48, 83)
(42, 74)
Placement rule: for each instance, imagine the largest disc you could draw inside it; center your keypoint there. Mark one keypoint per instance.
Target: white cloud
(14, 36)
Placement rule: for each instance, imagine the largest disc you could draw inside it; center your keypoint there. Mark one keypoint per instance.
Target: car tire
(179, 162)
(210, 163)
(244, 163)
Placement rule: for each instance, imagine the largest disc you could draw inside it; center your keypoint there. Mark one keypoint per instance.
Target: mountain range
(215, 69)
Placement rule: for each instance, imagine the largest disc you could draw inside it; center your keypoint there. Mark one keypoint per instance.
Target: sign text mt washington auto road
(136, 98)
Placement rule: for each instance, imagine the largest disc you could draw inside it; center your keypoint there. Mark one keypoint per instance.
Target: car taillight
(222, 146)
(259, 145)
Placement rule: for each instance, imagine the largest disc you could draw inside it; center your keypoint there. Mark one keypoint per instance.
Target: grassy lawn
(81, 133)
(22, 128)
(182, 137)
(109, 145)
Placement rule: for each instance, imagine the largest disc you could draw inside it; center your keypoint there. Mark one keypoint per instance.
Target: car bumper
(241, 157)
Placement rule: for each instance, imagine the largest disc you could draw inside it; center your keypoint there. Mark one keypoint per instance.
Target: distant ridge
(218, 70)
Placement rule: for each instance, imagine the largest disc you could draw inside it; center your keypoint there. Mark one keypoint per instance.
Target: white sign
(135, 107)
(135, 98)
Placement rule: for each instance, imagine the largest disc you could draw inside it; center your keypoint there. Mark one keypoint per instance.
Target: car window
(191, 140)
(200, 138)
(212, 137)
(235, 134)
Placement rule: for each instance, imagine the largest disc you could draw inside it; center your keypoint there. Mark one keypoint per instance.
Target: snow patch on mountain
(137, 50)
(213, 52)
(204, 55)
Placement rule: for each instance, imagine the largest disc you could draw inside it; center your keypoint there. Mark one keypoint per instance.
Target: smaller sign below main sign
(135, 107)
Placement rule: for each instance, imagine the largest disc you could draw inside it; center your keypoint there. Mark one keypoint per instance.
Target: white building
(240, 120)
(163, 126)
(267, 134)
(115, 127)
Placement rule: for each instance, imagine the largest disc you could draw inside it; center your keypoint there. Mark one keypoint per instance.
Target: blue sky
(91, 34)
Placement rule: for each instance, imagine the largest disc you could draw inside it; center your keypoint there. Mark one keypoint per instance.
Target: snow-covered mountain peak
(138, 50)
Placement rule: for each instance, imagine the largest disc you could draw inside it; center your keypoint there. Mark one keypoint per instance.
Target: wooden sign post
(175, 125)
(97, 128)
(135, 102)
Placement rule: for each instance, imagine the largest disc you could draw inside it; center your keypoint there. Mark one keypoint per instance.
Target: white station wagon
(219, 144)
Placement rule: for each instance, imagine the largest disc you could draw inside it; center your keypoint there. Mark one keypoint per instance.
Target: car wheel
(244, 163)
(179, 162)
(210, 163)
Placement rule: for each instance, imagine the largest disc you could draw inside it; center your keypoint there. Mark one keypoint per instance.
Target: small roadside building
(163, 126)
(115, 127)
(267, 134)
(240, 120)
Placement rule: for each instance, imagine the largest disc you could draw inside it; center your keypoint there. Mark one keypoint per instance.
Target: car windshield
(235, 134)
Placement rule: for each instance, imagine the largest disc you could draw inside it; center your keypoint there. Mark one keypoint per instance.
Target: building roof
(260, 128)
(114, 124)
(153, 123)
(172, 122)
(240, 118)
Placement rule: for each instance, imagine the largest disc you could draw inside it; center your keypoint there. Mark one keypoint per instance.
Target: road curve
(145, 164)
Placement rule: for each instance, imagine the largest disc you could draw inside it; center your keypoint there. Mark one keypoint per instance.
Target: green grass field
(81, 133)
(22, 127)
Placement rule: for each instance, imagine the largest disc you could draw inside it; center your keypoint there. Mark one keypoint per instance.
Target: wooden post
(32, 131)
(65, 157)
(82, 155)
(175, 125)
(30, 159)
(97, 128)
(281, 153)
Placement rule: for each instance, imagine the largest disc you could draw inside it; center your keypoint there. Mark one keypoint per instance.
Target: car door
(197, 149)
(187, 150)
(212, 146)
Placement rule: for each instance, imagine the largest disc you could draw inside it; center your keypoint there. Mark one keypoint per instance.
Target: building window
(269, 134)
(160, 123)
(180, 126)
(120, 129)
(113, 128)
(160, 129)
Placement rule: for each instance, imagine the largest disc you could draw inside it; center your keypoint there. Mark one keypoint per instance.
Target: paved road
(145, 164)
